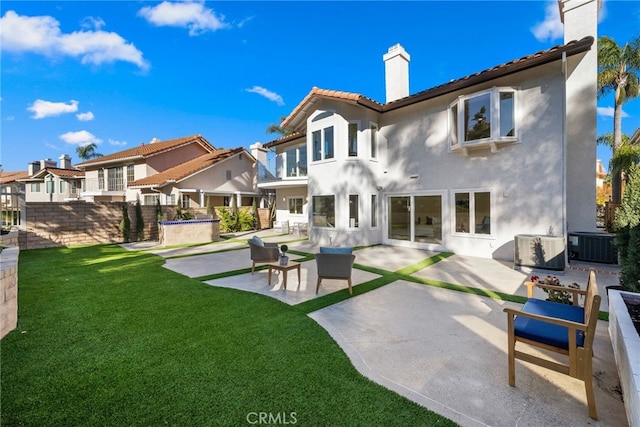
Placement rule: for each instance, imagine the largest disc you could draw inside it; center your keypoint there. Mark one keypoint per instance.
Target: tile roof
(283, 139)
(530, 61)
(147, 150)
(185, 170)
(6, 176)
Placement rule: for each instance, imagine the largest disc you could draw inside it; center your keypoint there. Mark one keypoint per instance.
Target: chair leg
(318, 284)
(349, 282)
(588, 385)
(511, 346)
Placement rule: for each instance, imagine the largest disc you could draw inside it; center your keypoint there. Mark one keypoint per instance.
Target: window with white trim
(472, 212)
(374, 210)
(354, 221)
(35, 187)
(171, 199)
(63, 187)
(296, 161)
(373, 140)
(323, 211)
(352, 140)
(150, 199)
(322, 144)
(485, 118)
(185, 201)
(131, 176)
(295, 205)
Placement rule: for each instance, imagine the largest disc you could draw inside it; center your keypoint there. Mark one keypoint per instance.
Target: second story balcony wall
(107, 184)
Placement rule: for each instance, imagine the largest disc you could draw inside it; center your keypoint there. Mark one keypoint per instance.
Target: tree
(628, 234)
(88, 152)
(618, 69)
(276, 128)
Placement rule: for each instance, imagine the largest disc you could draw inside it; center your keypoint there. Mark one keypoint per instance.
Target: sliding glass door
(415, 218)
(399, 218)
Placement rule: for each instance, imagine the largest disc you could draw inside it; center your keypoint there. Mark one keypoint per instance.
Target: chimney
(65, 161)
(396, 69)
(47, 163)
(580, 18)
(33, 168)
(259, 152)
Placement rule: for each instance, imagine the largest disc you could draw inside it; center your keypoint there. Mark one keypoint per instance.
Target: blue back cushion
(334, 250)
(256, 241)
(548, 333)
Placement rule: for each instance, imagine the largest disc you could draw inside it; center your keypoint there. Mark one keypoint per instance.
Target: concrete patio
(443, 349)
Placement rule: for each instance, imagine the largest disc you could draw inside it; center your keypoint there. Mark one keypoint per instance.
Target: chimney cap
(396, 50)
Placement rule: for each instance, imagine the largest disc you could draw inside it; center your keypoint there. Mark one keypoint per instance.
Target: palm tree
(626, 155)
(618, 69)
(88, 152)
(276, 128)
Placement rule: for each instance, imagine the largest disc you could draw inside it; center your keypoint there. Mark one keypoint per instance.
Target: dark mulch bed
(633, 305)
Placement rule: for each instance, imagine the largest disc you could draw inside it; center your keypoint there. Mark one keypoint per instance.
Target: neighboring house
(49, 183)
(184, 171)
(11, 197)
(464, 166)
(601, 174)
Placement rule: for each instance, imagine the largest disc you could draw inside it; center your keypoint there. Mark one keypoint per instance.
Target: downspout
(564, 158)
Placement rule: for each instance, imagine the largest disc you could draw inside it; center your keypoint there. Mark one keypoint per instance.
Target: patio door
(415, 219)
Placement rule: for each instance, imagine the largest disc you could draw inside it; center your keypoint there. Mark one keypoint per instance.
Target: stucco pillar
(580, 18)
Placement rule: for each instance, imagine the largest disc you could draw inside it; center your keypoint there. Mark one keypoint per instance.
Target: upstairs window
(322, 144)
(296, 161)
(352, 142)
(130, 173)
(373, 135)
(483, 119)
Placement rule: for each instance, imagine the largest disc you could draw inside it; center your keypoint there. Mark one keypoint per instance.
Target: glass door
(399, 218)
(428, 219)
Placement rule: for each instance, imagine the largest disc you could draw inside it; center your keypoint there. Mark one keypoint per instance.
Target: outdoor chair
(335, 265)
(560, 328)
(262, 252)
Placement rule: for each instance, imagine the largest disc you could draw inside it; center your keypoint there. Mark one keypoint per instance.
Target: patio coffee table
(284, 269)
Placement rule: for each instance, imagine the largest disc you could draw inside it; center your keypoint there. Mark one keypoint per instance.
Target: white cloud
(271, 96)
(192, 15)
(10, 118)
(42, 108)
(42, 35)
(85, 117)
(608, 112)
(80, 138)
(551, 28)
(118, 143)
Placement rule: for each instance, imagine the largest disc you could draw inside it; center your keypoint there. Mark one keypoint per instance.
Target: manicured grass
(108, 337)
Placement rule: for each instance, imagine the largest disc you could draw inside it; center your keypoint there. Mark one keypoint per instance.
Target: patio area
(443, 349)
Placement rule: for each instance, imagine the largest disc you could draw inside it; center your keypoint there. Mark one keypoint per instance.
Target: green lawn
(108, 337)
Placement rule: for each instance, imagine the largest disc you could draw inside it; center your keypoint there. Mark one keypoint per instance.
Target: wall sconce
(379, 188)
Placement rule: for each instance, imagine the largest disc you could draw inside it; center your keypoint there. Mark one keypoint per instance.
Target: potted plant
(563, 297)
(284, 259)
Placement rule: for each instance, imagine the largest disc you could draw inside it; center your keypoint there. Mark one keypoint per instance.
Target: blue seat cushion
(334, 250)
(548, 333)
(256, 241)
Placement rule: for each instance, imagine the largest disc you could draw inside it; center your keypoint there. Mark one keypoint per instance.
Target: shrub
(234, 219)
(125, 223)
(628, 236)
(139, 221)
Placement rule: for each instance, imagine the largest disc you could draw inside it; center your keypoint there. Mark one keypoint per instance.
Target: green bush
(234, 219)
(125, 223)
(628, 236)
(139, 221)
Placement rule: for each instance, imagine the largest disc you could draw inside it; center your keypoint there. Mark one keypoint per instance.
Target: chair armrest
(553, 320)
(574, 291)
(271, 245)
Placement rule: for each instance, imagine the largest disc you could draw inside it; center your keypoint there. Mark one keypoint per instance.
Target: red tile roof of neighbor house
(539, 58)
(150, 149)
(64, 173)
(185, 170)
(6, 176)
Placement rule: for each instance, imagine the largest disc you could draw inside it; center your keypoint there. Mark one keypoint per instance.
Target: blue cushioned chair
(561, 328)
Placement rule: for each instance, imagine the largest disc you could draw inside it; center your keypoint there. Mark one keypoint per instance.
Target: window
(353, 211)
(352, 141)
(115, 179)
(171, 199)
(101, 179)
(63, 187)
(150, 199)
(35, 187)
(130, 173)
(374, 210)
(185, 201)
(228, 173)
(324, 211)
(472, 212)
(51, 188)
(295, 205)
(373, 135)
(484, 118)
(322, 144)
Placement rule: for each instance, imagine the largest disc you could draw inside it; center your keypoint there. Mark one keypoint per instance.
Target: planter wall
(8, 289)
(189, 232)
(626, 349)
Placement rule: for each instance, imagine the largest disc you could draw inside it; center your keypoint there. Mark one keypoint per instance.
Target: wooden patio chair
(561, 328)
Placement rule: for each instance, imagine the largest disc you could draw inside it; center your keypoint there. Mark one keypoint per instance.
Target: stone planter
(189, 232)
(626, 349)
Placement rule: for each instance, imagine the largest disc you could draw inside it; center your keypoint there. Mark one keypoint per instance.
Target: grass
(109, 337)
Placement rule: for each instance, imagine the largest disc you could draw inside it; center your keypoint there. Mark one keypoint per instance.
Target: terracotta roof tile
(7, 176)
(513, 66)
(184, 170)
(146, 150)
(286, 138)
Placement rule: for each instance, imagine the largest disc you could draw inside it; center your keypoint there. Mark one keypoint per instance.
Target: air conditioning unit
(593, 247)
(546, 252)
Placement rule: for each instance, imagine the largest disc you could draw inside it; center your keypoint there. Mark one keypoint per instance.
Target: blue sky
(119, 73)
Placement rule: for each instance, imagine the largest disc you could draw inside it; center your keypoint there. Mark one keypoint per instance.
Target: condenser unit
(546, 252)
